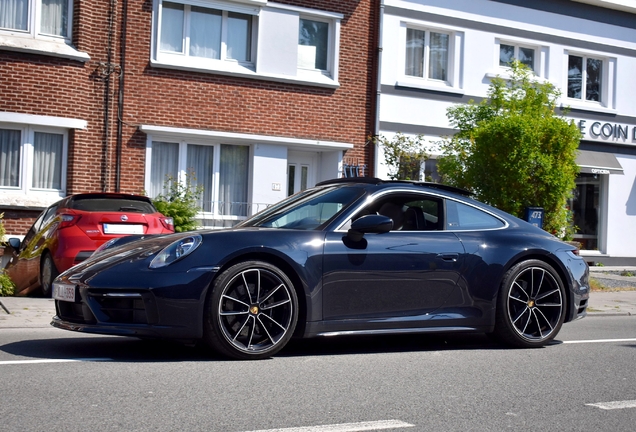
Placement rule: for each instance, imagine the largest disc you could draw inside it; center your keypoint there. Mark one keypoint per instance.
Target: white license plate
(64, 292)
(123, 229)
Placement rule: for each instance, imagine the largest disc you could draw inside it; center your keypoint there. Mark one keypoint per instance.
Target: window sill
(430, 86)
(578, 106)
(32, 199)
(506, 75)
(235, 69)
(43, 47)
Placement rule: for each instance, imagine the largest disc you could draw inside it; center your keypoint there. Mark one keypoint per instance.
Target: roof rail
(377, 181)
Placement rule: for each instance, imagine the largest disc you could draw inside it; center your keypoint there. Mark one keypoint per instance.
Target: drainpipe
(120, 98)
(376, 127)
(108, 70)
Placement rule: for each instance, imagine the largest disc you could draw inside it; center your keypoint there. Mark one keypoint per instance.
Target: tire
(251, 312)
(530, 306)
(48, 273)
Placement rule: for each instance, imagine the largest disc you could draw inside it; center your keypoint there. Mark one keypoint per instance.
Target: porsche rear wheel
(48, 273)
(531, 305)
(251, 312)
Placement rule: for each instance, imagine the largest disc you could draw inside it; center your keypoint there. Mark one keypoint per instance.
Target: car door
(397, 277)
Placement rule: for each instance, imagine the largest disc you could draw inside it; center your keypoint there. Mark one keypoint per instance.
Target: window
(313, 44)
(508, 53)
(461, 217)
(220, 171)
(194, 31)
(32, 159)
(427, 54)
(50, 18)
(585, 78)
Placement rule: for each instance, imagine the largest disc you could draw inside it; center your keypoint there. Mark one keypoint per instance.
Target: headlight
(175, 251)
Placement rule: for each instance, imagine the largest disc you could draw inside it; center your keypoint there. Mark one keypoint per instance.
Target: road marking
(614, 405)
(599, 341)
(10, 362)
(346, 427)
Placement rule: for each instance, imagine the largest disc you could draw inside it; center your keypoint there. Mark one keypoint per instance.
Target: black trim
(578, 10)
(603, 147)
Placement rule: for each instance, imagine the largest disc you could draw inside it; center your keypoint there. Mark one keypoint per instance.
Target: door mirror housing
(377, 224)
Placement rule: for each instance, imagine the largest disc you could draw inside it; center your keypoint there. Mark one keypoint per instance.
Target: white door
(301, 171)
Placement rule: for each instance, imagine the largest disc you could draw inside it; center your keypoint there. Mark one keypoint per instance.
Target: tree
(181, 202)
(513, 150)
(403, 155)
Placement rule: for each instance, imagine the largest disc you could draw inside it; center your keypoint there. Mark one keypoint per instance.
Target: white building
(436, 53)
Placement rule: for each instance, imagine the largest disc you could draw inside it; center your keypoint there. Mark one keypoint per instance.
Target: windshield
(306, 210)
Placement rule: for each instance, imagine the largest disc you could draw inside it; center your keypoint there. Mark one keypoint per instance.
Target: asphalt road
(54, 380)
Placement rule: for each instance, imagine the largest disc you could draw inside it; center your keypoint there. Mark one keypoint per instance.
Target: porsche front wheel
(251, 312)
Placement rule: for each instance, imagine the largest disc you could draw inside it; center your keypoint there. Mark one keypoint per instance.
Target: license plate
(123, 229)
(64, 292)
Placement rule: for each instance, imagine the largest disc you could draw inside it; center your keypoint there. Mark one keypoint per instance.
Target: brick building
(256, 99)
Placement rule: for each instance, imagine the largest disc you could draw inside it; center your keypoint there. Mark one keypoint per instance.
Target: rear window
(111, 205)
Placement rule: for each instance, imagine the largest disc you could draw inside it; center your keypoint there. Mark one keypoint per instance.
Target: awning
(592, 162)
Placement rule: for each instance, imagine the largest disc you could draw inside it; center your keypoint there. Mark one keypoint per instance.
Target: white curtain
(414, 53)
(164, 166)
(10, 157)
(238, 36)
(14, 14)
(201, 167)
(54, 17)
(234, 173)
(438, 61)
(47, 160)
(172, 27)
(205, 33)
(315, 34)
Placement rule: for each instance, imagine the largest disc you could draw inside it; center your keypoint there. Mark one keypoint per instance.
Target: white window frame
(182, 169)
(184, 59)
(25, 182)
(454, 80)
(541, 54)
(33, 41)
(254, 68)
(608, 83)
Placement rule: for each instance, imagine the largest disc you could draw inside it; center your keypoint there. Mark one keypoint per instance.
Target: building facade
(437, 53)
(250, 99)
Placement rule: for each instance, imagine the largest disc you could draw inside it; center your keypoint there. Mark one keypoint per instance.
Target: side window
(423, 215)
(464, 217)
(34, 229)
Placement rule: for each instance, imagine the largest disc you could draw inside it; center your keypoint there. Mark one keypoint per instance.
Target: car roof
(379, 182)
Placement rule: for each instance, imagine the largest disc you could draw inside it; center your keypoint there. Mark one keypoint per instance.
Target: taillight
(168, 223)
(67, 220)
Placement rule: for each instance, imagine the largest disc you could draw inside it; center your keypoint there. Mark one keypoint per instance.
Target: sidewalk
(37, 312)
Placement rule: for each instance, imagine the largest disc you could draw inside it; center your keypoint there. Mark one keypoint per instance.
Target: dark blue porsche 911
(346, 257)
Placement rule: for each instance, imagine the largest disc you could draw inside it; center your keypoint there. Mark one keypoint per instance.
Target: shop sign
(607, 131)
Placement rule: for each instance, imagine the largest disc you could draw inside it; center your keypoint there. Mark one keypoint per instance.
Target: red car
(70, 230)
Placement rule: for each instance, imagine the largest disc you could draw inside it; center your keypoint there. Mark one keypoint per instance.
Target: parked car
(69, 231)
(350, 256)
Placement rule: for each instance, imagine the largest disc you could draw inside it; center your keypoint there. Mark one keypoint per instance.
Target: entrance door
(301, 171)
(585, 206)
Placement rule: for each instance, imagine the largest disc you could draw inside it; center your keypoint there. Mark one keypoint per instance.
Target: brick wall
(36, 84)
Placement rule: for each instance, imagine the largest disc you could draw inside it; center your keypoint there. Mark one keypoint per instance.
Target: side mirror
(369, 224)
(14, 243)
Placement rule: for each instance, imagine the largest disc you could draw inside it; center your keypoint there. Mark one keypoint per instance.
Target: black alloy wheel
(48, 273)
(251, 312)
(531, 306)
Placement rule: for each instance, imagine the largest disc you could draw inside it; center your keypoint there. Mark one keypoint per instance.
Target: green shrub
(7, 287)
(180, 202)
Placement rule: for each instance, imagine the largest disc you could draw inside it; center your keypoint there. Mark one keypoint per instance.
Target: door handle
(449, 257)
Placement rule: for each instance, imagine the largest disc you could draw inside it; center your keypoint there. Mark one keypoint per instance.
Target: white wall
(621, 231)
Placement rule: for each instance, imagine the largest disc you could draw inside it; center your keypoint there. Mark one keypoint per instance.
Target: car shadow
(125, 349)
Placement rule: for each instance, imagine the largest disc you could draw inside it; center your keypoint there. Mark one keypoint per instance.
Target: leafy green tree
(404, 156)
(181, 202)
(513, 150)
